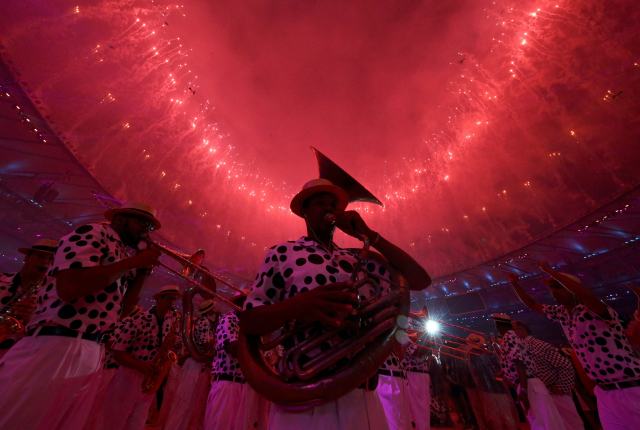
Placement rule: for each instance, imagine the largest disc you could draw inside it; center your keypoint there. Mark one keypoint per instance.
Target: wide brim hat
(502, 317)
(317, 186)
(169, 289)
(206, 306)
(138, 209)
(48, 246)
(475, 339)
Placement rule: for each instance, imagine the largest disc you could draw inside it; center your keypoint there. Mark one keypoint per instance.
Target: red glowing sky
(482, 125)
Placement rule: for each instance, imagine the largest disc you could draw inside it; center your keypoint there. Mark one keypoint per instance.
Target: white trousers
(392, 392)
(234, 406)
(48, 382)
(125, 406)
(104, 381)
(356, 410)
(419, 396)
(619, 409)
(567, 410)
(543, 413)
(186, 409)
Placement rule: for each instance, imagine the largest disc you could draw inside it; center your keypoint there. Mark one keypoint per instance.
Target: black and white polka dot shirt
(601, 346)
(512, 350)
(223, 362)
(414, 360)
(297, 266)
(140, 335)
(552, 367)
(203, 332)
(89, 245)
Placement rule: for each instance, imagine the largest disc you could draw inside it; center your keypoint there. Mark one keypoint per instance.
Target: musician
(597, 335)
(308, 280)
(414, 363)
(232, 404)
(555, 370)
(136, 342)
(18, 290)
(47, 377)
(518, 369)
(188, 405)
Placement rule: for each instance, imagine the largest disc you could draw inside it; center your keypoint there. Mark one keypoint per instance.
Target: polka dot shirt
(601, 346)
(512, 350)
(552, 367)
(140, 335)
(226, 333)
(203, 332)
(297, 266)
(89, 245)
(414, 360)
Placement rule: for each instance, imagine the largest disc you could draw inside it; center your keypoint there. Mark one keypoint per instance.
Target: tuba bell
(298, 380)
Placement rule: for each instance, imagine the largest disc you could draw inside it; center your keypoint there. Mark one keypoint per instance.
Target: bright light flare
(432, 327)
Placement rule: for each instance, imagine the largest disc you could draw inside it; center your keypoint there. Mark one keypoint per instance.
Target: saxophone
(11, 326)
(164, 359)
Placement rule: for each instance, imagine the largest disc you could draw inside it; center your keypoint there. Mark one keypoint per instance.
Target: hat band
(44, 248)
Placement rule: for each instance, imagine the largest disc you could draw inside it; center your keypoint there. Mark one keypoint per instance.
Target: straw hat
(168, 289)
(205, 307)
(502, 317)
(47, 246)
(317, 186)
(138, 209)
(475, 339)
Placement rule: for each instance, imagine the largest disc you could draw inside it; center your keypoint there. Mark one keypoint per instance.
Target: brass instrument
(355, 350)
(198, 276)
(11, 327)
(162, 362)
(447, 343)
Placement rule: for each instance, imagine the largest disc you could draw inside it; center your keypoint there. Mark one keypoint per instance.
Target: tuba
(357, 349)
(11, 327)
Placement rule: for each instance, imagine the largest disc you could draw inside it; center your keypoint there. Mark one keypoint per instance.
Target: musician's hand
(352, 224)
(24, 308)
(146, 258)
(329, 304)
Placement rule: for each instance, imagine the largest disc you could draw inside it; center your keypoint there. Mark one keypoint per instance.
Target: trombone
(192, 271)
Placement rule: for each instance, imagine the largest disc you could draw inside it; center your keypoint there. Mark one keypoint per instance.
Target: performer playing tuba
(18, 291)
(309, 283)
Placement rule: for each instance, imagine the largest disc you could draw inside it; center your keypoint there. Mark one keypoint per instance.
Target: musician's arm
(416, 275)
(266, 319)
(76, 283)
(583, 295)
(525, 298)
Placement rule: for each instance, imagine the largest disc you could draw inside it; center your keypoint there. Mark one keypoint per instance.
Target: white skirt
(235, 406)
(543, 413)
(186, 409)
(356, 410)
(419, 396)
(125, 406)
(392, 392)
(49, 382)
(619, 409)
